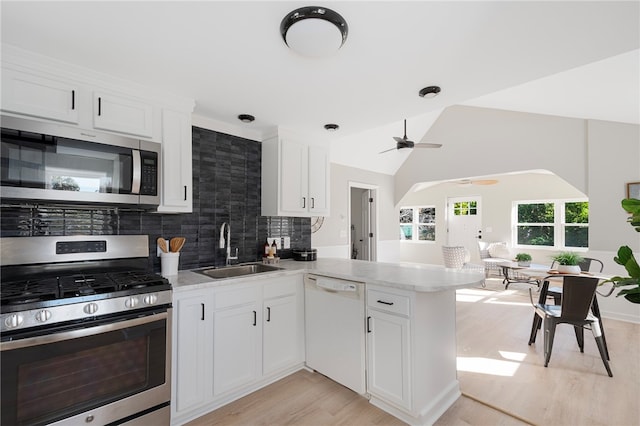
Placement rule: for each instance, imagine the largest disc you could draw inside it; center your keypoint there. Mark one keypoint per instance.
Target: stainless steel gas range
(85, 332)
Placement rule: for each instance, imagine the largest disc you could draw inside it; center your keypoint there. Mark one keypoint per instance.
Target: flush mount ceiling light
(246, 118)
(314, 31)
(331, 127)
(430, 92)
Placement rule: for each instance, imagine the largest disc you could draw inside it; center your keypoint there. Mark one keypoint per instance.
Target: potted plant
(626, 258)
(523, 259)
(568, 262)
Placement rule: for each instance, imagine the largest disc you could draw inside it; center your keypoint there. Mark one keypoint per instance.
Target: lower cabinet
(411, 352)
(232, 339)
(192, 351)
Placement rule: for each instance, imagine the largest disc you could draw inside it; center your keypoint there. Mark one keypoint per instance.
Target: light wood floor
(495, 366)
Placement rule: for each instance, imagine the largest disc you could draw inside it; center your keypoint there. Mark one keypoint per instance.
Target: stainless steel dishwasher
(335, 329)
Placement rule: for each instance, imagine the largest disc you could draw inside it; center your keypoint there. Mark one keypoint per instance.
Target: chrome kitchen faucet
(227, 239)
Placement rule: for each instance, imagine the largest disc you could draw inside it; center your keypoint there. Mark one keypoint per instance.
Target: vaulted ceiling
(569, 58)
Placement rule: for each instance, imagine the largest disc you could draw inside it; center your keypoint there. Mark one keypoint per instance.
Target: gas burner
(29, 291)
(86, 285)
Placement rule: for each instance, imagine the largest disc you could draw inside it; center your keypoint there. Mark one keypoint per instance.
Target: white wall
(332, 239)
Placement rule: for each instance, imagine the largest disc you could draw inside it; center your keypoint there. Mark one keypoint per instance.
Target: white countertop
(406, 276)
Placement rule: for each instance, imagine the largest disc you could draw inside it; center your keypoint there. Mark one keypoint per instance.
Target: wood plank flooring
(495, 366)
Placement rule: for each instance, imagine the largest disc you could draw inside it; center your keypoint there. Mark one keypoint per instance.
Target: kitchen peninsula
(409, 326)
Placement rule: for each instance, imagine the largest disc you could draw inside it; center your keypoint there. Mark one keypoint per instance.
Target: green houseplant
(626, 258)
(568, 262)
(523, 259)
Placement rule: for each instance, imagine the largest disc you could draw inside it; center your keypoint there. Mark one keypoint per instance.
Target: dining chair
(578, 295)
(588, 264)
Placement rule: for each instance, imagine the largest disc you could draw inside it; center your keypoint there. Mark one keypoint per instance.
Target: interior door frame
(373, 217)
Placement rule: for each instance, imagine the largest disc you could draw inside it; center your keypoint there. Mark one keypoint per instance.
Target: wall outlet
(286, 242)
(278, 241)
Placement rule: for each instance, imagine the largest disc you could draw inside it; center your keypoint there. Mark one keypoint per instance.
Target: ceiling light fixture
(314, 31)
(430, 92)
(331, 127)
(246, 118)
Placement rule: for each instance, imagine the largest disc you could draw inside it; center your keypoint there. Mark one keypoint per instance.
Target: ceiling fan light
(314, 31)
(429, 92)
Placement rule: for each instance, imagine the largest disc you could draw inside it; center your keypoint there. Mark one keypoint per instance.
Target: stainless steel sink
(237, 270)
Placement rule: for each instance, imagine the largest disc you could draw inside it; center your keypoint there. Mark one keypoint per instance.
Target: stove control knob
(43, 315)
(13, 321)
(150, 299)
(131, 302)
(90, 308)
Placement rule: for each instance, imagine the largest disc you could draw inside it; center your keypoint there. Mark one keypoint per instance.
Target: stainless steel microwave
(50, 162)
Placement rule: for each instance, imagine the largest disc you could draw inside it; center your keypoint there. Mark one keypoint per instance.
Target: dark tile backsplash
(226, 188)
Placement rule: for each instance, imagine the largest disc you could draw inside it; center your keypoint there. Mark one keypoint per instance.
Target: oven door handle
(136, 176)
(83, 332)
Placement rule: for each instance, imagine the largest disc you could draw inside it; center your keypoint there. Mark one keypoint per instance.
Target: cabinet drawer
(225, 298)
(390, 302)
(279, 287)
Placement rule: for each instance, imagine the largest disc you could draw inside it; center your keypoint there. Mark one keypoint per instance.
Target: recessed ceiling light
(314, 31)
(246, 118)
(331, 127)
(430, 92)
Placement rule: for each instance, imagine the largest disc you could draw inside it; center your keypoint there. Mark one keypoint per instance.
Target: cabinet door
(39, 97)
(176, 163)
(294, 197)
(123, 115)
(388, 347)
(236, 347)
(192, 348)
(281, 334)
(319, 180)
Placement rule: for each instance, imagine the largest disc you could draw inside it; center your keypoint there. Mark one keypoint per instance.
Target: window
(418, 223)
(465, 208)
(557, 224)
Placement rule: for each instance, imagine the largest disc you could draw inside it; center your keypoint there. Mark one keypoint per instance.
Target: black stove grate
(29, 291)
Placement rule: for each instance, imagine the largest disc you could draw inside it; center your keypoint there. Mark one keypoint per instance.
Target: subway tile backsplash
(227, 188)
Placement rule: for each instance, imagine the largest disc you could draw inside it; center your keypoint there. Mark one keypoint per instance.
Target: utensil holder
(169, 263)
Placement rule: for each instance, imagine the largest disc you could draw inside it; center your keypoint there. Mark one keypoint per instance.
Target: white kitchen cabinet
(295, 177)
(177, 190)
(232, 339)
(122, 114)
(282, 332)
(389, 350)
(192, 351)
(411, 352)
(38, 96)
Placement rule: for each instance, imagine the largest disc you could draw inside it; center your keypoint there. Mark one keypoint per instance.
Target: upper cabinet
(295, 177)
(177, 191)
(41, 88)
(40, 97)
(122, 114)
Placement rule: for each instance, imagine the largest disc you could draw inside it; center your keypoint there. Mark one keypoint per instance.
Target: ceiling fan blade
(397, 139)
(387, 150)
(485, 182)
(427, 145)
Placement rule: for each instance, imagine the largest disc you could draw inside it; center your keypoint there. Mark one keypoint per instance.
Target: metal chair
(578, 294)
(587, 264)
(457, 257)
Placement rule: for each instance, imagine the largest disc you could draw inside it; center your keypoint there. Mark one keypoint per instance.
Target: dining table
(545, 276)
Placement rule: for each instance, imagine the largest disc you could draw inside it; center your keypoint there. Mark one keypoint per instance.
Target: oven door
(113, 372)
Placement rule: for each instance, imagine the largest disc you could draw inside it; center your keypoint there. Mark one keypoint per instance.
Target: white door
(464, 222)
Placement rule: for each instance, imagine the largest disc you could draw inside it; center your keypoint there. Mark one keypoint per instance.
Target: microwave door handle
(137, 171)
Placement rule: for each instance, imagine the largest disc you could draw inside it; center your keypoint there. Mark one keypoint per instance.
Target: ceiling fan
(466, 182)
(403, 142)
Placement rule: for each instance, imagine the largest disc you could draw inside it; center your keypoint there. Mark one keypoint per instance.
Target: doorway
(464, 222)
(363, 227)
